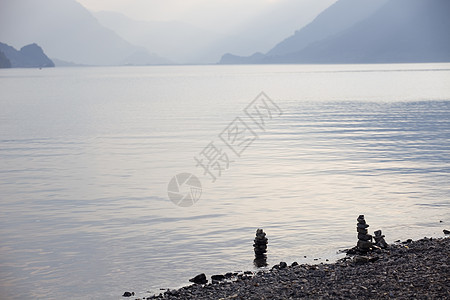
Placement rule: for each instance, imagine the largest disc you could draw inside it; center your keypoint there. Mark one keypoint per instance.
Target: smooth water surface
(86, 155)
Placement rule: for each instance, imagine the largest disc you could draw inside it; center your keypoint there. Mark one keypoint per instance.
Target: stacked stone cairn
(364, 239)
(260, 248)
(379, 239)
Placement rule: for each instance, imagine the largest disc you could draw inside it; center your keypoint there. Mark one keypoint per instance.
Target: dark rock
(260, 243)
(364, 237)
(446, 231)
(294, 264)
(260, 261)
(199, 279)
(229, 275)
(128, 294)
(363, 226)
(170, 293)
(379, 240)
(374, 258)
(418, 273)
(281, 265)
(364, 245)
(361, 230)
(361, 259)
(361, 220)
(217, 277)
(351, 251)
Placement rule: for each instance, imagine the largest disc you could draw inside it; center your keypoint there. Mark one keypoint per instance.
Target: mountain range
(67, 31)
(185, 43)
(29, 56)
(4, 61)
(72, 35)
(366, 31)
(348, 31)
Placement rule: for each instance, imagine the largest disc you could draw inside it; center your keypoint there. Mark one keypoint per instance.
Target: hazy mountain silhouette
(185, 43)
(180, 42)
(341, 15)
(29, 56)
(4, 61)
(398, 31)
(67, 31)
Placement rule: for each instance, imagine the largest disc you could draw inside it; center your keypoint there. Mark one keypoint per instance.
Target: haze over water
(86, 155)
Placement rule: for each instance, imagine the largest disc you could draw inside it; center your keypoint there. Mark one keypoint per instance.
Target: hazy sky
(217, 15)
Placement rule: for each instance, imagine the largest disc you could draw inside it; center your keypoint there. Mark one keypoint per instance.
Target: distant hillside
(180, 42)
(397, 31)
(29, 56)
(340, 16)
(4, 61)
(163, 37)
(186, 43)
(67, 31)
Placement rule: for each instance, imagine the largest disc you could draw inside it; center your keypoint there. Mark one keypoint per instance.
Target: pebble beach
(404, 270)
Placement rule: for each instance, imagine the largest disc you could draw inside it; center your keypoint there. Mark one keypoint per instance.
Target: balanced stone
(361, 230)
(364, 239)
(361, 219)
(260, 243)
(364, 245)
(379, 239)
(260, 248)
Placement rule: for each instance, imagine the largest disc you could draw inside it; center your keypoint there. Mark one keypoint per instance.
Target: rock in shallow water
(199, 279)
(260, 243)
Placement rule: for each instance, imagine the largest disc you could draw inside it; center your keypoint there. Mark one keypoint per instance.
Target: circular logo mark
(184, 189)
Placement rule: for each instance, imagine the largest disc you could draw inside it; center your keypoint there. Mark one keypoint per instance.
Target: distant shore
(407, 270)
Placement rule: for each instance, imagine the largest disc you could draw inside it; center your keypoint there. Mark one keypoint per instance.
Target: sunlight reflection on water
(86, 155)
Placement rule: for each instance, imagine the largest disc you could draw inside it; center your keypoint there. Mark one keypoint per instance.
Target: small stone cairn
(364, 239)
(260, 248)
(260, 245)
(379, 239)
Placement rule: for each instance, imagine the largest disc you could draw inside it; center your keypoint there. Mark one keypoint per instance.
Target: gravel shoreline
(407, 270)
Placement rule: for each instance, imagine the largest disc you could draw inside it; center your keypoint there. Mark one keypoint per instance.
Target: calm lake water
(86, 155)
